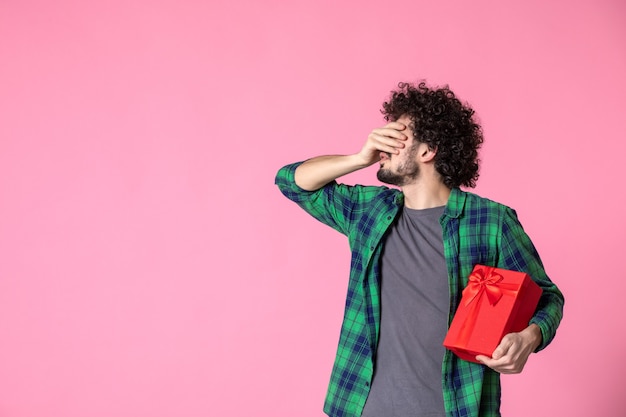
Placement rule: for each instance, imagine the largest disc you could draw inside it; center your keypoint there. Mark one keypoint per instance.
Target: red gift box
(494, 303)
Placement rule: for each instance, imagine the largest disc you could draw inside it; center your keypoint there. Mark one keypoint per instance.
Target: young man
(412, 252)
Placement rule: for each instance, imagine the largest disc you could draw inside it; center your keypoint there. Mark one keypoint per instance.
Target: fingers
(502, 365)
(509, 357)
(385, 143)
(392, 130)
(388, 139)
(395, 125)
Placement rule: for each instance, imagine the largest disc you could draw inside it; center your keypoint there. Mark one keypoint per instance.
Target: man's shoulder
(364, 197)
(478, 199)
(373, 189)
(473, 202)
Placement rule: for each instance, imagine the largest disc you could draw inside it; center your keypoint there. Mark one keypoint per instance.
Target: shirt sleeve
(517, 252)
(334, 204)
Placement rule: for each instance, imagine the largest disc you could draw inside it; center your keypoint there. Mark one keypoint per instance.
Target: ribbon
(483, 280)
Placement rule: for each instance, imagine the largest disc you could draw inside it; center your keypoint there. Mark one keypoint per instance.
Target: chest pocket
(478, 249)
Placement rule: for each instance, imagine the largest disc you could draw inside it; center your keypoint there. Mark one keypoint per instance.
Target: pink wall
(148, 265)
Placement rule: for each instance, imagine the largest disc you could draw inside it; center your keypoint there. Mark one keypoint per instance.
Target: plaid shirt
(475, 231)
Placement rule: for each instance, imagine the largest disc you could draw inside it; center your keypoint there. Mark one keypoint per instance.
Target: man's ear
(427, 153)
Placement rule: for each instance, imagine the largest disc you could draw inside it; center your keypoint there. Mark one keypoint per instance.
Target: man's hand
(513, 351)
(389, 139)
(319, 171)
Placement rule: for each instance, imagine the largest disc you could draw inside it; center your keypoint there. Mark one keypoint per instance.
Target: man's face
(400, 169)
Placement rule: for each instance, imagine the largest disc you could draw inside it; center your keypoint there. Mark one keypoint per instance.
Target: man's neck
(425, 194)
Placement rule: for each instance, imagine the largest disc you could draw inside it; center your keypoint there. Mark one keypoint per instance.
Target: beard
(393, 178)
(407, 172)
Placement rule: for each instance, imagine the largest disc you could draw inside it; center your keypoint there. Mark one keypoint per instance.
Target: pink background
(149, 266)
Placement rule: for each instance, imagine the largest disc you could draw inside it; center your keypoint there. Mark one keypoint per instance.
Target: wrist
(533, 335)
(360, 161)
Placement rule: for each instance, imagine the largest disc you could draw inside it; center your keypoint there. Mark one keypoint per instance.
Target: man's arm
(518, 252)
(315, 173)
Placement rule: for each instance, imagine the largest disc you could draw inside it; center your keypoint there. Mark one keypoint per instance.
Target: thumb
(498, 353)
(502, 348)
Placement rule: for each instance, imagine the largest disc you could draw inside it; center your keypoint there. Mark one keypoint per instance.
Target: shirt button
(367, 383)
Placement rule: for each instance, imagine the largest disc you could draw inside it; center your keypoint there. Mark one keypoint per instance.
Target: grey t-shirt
(414, 313)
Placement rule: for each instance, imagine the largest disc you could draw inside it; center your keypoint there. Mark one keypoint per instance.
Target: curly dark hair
(441, 121)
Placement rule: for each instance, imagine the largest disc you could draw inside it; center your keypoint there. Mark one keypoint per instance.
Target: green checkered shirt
(475, 231)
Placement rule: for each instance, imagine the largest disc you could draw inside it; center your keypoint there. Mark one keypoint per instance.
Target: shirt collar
(456, 202)
(454, 206)
(399, 198)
